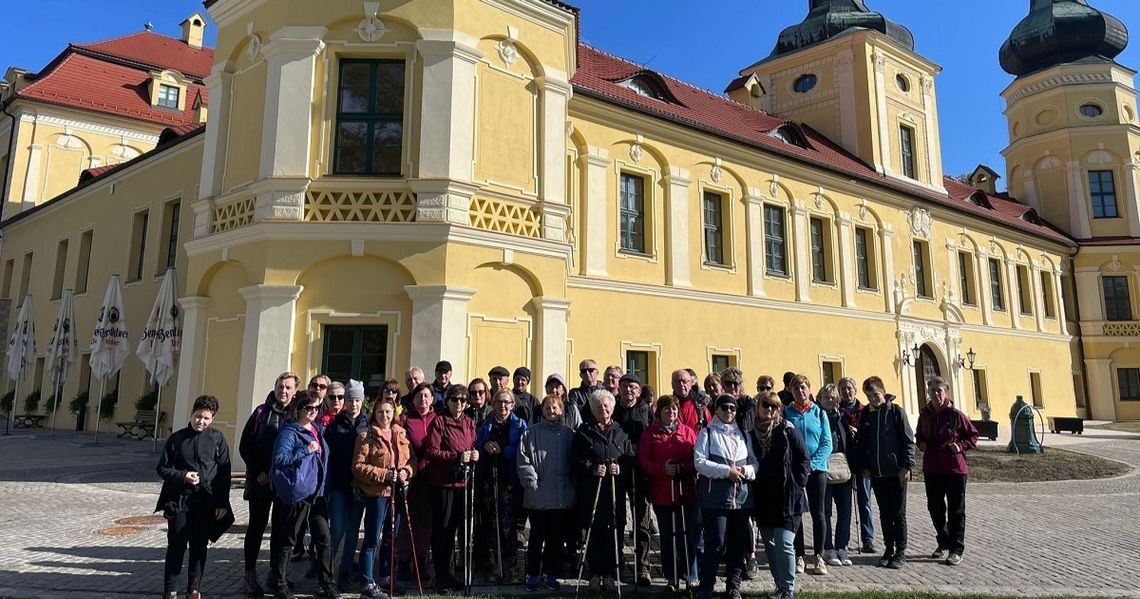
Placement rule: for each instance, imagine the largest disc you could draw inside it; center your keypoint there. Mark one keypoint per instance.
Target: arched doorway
(925, 368)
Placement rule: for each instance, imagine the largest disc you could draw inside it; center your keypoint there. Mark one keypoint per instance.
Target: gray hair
(600, 395)
(850, 380)
(829, 390)
(936, 382)
(336, 385)
(414, 370)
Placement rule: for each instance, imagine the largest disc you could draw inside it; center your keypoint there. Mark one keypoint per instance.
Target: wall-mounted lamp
(909, 356)
(968, 362)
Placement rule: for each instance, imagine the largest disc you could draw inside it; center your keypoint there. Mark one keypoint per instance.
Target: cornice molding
(78, 125)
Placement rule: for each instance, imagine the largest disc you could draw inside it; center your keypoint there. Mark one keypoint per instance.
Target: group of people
(709, 468)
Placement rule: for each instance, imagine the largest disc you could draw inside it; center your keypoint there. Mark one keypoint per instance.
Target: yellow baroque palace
(357, 188)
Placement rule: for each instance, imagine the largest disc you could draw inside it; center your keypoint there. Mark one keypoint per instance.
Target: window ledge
(778, 276)
(925, 298)
(971, 305)
(622, 253)
(719, 266)
(133, 282)
(826, 284)
(867, 290)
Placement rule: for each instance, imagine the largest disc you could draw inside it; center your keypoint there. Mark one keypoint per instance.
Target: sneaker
(800, 565)
(252, 586)
(171, 595)
(885, 560)
(898, 561)
(867, 547)
(595, 583)
(610, 585)
(372, 592)
(844, 559)
(938, 553)
(550, 582)
(832, 558)
(787, 594)
(531, 583)
(329, 592)
(953, 559)
(820, 568)
(751, 571)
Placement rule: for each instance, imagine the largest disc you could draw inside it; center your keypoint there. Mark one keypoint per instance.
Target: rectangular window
(60, 268)
(25, 277)
(82, 270)
(906, 147)
(1047, 295)
(1128, 379)
(9, 266)
(637, 362)
(39, 384)
(1024, 293)
(632, 213)
(922, 283)
(168, 96)
(369, 118)
(831, 372)
(171, 217)
(1117, 303)
(864, 259)
(981, 397)
(721, 362)
(357, 352)
(1035, 389)
(714, 227)
(775, 246)
(138, 245)
(995, 284)
(820, 264)
(1102, 191)
(966, 278)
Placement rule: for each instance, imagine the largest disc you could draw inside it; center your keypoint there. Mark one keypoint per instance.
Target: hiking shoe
(372, 592)
(750, 571)
(898, 561)
(800, 565)
(531, 583)
(885, 560)
(938, 553)
(252, 586)
(841, 555)
(867, 547)
(733, 593)
(953, 559)
(644, 579)
(595, 583)
(550, 582)
(820, 568)
(832, 558)
(609, 585)
(329, 592)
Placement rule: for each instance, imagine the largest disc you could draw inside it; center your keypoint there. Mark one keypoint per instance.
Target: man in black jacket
(526, 405)
(634, 416)
(256, 449)
(885, 454)
(580, 395)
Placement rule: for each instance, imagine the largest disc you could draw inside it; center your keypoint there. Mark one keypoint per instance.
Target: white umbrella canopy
(108, 342)
(61, 350)
(161, 340)
(21, 349)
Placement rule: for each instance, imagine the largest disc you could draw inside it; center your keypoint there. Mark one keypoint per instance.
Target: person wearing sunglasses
(497, 438)
(725, 464)
(813, 424)
(478, 400)
(344, 511)
(298, 475)
(334, 403)
(449, 448)
(783, 466)
(580, 395)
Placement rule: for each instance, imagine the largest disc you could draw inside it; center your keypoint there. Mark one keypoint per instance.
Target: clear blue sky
(704, 43)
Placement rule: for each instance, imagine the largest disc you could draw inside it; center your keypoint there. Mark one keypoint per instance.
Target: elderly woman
(548, 493)
(344, 510)
(712, 386)
(556, 386)
(665, 456)
(838, 495)
(725, 463)
(783, 466)
(601, 453)
(884, 453)
(809, 419)
(382, 460)
(334, 403)
(496, 476)
(479, 406)
(945, 434)
(300, 461)
(416, 421)
(450, 449)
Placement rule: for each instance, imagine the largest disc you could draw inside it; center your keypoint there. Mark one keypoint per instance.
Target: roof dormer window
(168, 96)
(647, 84)
(790, 135)
(168, 89)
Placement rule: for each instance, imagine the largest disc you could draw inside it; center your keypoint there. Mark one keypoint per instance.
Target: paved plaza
(57, 494)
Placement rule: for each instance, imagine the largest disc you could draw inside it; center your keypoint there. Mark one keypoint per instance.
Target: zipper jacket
(544, 466)
(720, 446)
(885, 443)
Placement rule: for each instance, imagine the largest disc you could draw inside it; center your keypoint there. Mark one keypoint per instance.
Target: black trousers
(548, 536)
(320, 532)
(190, 527)
(890, 493)
(447, 517)
(639, 504)
(260, 506)
(288, 522)
(816, 488)
(727, 534)
(946, 500)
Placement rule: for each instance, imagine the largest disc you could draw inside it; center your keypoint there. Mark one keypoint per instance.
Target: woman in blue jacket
(809, 419)
(497, 437)
(300, 460)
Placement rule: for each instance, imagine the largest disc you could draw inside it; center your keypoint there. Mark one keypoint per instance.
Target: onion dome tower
(829, 18)
(1059, 32)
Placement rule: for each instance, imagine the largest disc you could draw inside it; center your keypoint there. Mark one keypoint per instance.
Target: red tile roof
(89, 83)
(158, 52)
(171, 136)
(599, 72)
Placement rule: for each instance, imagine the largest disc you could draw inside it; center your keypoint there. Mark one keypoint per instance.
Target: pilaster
(677, 228)
(191, 358)
(1029, 187)
(1131, 202)
(985, 290)
(754, 232)
(883, 154)
(801, 250)
(1059, 294)
(886, 241)
(439, 326)
(1078, 202)
(447, 136)
(847, 278)
(554, 313)
(1013, 290)
(443, 200)
(1089, 290)
(1038, 296)
(597, 164)
(32, 180)
(286, 134)
(556, 93)
(219, 85)
(954, 272)
(1102, 394)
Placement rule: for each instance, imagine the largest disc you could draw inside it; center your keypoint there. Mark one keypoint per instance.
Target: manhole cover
(141, 521)
(119, 531)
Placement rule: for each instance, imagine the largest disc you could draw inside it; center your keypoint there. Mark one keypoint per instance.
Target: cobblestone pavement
(56, 494)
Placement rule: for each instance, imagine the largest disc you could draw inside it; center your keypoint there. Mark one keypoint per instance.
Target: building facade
(380, 188)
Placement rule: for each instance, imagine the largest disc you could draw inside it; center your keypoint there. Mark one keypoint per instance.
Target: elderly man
(414, 376)
(441, 383)
(611, 379)
(526, 405)
(693, 413)
(499, 378)
(634, 417)
(588, 371)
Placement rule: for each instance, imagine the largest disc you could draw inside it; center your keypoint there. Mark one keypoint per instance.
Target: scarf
(763, 435)
(669, 429)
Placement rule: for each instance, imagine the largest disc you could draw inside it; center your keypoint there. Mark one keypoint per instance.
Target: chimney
(985, 179)
(200, 109)
(193, 29)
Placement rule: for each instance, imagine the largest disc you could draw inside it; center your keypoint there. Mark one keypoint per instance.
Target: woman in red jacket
(450, 450)
(415, 422)
(945, 434)
(665, 456)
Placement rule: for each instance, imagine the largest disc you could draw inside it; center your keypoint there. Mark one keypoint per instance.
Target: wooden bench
(1059, 424)
(142, 426)
(29, 421)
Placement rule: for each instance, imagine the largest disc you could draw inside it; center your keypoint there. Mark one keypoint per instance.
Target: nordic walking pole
(469, 526)
(412, 541)
(617, 538)
(498, 523)
(586, 547)
(636, 529)
(673, 505)
(392, 540)
(685, 536)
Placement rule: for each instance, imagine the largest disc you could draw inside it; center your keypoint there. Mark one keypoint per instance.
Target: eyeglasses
(478, 392)
(728, 408)
(770, 407)
(458, 399)
(727, 384)
(765, 387)
(318, 386)
(392, 390)
(313, 408)
(587, 370)
(337, 397)
(504, 403)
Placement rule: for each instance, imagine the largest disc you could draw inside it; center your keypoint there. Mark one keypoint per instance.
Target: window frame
(370, 118)
(171, 220)
(1102, 211)
(644, 376)
(1134, 386)
(1048, 305)
(967, 291)
(83, 267)
(866, 266)
(819, 242)
(61, 251)
(163, 98)
(997, 293)
(632, 219)
(1024, 291)
(907, 137)
(1111, 310)
(921, 263)
(714, 232)
(772, 242)
(136, 261)
(357, 355)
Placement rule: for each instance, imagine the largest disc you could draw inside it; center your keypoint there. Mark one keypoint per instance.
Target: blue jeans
(840, 497)
(344, 522)
(866, 514)
(686, 547)
(375, 510)
(780, 547)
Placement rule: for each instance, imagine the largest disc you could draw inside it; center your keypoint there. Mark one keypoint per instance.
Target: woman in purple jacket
(944, 434)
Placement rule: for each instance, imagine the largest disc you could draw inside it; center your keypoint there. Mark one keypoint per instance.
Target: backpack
(294, 483)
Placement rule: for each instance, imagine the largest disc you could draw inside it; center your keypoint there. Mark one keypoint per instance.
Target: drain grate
(141, 521)
(119, 531)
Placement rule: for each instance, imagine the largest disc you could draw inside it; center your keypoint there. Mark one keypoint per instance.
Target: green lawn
(1131, 426)
(628, 591)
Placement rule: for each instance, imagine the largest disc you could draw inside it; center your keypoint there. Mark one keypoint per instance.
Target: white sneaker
(831, 558)
(800, 565)
(820, 567)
